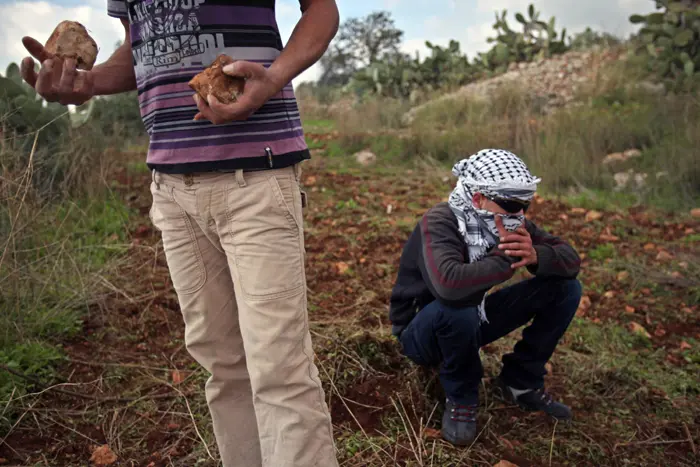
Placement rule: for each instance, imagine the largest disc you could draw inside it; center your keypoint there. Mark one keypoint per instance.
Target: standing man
(460, 250)
(227, 200)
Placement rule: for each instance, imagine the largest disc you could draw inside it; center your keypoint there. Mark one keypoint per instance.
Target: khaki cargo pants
(234, 245)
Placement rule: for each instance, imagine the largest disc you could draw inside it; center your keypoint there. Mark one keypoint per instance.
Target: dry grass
(565, 148)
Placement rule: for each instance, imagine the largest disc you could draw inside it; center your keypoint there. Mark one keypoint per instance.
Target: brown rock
(639, 329)
(664, 256)
(505, 463)
(70, 39)
(214, 81)
(593, 216)
(622, 276)
(103, 455)
(695, 212)
(614, 157)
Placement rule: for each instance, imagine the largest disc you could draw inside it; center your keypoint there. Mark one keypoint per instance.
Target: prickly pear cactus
(670, 40)
(538, 39)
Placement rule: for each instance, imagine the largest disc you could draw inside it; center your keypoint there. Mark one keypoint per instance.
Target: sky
(468, 21)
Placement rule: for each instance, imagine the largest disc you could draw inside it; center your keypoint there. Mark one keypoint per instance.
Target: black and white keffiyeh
(494, 173)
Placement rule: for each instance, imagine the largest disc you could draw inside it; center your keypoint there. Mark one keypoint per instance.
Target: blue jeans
(450, 338)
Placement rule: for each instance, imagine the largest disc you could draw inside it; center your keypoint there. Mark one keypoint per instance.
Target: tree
(359, 43)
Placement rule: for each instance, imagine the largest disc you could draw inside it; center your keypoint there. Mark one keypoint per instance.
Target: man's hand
(57, 80)
(517, 244)
(260, 85)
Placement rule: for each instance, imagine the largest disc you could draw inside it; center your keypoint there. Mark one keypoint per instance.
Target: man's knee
(569, 292)
(464, 322)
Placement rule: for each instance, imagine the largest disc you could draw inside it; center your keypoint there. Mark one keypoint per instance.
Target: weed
(603, 252)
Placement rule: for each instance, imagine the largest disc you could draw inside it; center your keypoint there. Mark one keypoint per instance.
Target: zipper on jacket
(268, 151)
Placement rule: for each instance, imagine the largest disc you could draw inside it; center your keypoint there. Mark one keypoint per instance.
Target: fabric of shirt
(172, 41)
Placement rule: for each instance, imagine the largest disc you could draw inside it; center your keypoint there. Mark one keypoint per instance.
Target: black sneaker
(536, 400)
(459, 423)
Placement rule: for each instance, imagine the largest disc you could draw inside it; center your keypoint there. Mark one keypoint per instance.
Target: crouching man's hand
(517, 244)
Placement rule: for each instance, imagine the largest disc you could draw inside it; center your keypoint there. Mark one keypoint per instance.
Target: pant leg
(264, 242)
(202, 279)
(551, 304)
(449, 338)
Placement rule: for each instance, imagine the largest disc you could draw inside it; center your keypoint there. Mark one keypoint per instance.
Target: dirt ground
(130, 395)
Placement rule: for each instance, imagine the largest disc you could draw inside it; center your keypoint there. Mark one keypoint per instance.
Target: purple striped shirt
(172, 41)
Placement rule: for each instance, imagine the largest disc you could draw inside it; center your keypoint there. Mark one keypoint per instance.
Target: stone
(613, 157)
(213, 81)
(640, 179)
(365, 158)
(70, 39)
(695, 213)
(631, 153)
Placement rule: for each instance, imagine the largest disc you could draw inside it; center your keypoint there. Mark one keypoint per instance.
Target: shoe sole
(508, 397)
(455, 442)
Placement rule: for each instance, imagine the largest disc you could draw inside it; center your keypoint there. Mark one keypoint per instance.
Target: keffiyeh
(494, 173)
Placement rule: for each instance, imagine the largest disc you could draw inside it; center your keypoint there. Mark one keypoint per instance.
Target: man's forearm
(309, 40)
(116, 74)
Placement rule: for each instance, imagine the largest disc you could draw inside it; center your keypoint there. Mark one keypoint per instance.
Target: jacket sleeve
(442, 263)
(555, 257)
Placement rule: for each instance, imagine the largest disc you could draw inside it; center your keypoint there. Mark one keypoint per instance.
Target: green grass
(565, 148)
(49, 275)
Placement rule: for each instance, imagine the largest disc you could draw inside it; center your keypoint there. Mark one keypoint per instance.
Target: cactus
(538, 39)
(406, 77)
(670, 40)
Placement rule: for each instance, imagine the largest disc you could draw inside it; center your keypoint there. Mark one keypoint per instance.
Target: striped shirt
(172, 41)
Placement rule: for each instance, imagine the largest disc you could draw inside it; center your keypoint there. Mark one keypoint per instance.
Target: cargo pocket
(266, 239)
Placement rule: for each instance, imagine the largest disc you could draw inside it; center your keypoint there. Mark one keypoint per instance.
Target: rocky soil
(554, 81)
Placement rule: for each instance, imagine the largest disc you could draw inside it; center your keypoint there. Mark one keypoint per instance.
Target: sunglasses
(511, 205)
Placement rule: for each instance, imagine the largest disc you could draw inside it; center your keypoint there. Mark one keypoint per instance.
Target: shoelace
(544, 396)
(463, 413)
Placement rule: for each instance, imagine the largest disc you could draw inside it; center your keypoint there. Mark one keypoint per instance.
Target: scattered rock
(685, 346)
(664, 256)
(593, 216)
(695, 213)
(622, 276)
(585, 303)
(578, 211)
(629, 309)
(552, 81)
(342, 267)
(614, 157)
(632, 153)
(505, 463)
(177, 377)
(310, 180)
(103, 455)
(609, 294)
(649, 247)
(431, 433)
(389, 209)
(639, 329)
(365, 158)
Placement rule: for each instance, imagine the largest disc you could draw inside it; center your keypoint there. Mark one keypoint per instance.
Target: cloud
(606, 15)
(38, 19)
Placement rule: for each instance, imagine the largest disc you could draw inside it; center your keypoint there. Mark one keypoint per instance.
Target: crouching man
(460, 250)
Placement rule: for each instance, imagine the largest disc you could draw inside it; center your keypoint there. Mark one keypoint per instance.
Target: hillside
(552, 82)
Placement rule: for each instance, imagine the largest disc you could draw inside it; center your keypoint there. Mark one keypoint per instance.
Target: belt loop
(239, 178)
(155, 179)
(297, 171)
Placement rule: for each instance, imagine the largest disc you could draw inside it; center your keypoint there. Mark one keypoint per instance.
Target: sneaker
(459, 423)
(535, 400)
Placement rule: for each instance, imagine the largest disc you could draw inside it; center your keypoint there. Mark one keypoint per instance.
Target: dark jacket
(435, 266)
